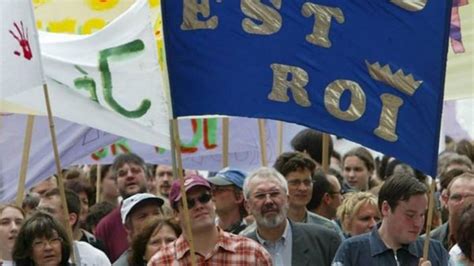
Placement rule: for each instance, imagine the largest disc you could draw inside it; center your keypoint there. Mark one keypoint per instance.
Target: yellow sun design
(153, 3)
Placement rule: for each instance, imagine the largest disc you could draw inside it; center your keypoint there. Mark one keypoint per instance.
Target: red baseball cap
(189, 182)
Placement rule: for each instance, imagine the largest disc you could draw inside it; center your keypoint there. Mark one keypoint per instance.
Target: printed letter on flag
(369, 71)
(20, 59)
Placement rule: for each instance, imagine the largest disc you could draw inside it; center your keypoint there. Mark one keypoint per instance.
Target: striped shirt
(230, 249)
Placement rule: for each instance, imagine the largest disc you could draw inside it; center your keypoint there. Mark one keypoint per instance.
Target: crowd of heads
(359, 194)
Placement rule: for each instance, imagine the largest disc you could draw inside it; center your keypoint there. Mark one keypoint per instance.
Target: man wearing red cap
(216, 247)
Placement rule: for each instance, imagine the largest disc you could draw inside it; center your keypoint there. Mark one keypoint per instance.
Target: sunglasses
(203, 199)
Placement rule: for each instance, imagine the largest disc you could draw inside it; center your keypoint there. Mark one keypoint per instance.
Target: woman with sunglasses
(42, 240)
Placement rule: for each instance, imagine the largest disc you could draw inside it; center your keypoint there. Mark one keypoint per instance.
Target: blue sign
(370, 71)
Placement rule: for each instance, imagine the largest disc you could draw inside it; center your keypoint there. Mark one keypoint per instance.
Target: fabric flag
(74, 141)
(460, 68)
(20, 59)
(369, 71)
(110, 80)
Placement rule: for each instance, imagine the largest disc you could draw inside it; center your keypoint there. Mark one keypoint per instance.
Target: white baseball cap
(132, 201)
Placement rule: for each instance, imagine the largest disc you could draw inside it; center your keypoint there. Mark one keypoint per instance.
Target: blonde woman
(358, 213)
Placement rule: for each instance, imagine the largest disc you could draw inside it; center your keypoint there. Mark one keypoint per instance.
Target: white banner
(110, 80)
(74, 141)
(201, 141)
(20, 58)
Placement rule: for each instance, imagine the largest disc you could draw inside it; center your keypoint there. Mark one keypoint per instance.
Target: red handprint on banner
(22, 38)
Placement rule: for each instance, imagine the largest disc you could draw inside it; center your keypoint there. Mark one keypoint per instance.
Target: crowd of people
(363, 211)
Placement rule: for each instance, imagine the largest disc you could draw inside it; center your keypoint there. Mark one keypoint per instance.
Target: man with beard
(402, 202)
(213, 246)
(289, 243)
(164, 177)
(460, 193)
(130, 173)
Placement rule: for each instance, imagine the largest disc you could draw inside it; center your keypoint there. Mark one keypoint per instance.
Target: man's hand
(424, 262)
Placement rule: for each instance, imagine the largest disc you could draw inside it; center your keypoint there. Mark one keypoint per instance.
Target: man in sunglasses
(229, 200)
(213, 245)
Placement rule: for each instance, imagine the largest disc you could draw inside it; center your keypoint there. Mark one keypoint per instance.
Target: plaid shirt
(230, 249)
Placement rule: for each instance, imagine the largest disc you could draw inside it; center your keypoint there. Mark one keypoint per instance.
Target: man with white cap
(134, 212)
(229, 200)
(213, 246)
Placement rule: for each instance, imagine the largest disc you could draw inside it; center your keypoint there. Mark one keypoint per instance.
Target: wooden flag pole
(24, 159)
(176, 153)
(179, 168)
(325, 162)
(262, 137)
(429, 220)
(280, 137)
(225, 142)
(59, 170)
(97, 183)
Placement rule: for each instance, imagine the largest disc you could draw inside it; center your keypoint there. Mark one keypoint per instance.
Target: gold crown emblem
(404, 83)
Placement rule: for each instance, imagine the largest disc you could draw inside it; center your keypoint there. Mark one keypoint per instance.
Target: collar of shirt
(377, 246)
(283, 239)
(181, 245)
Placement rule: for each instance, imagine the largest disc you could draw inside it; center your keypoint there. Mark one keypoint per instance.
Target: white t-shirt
(7, 263)
(89, 255)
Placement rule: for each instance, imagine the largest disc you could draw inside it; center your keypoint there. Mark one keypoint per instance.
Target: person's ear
(327, 198)
(444, 197)
(239, 197)
(73, 218)
(385, 208)
(247, 206)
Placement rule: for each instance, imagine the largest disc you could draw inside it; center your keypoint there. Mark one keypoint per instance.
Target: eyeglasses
(263, 195)
(297, 182)
(203, 199)
(124, 172)
(460, 197)
(41, 244)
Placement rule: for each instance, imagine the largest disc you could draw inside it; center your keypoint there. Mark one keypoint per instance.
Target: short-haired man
(460, 193)
(135, 211)
(289, 243)
(130, 173)
(229, 200)
(326, 196)
(213, 245)
(85, 253)
(42, 187)
(403, 204)
(298, 169)
(164, 177)
(310, 141)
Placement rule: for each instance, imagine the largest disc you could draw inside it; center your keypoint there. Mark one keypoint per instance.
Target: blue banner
(370, 71)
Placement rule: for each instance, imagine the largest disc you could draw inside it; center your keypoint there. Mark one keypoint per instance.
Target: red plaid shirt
(230, 249)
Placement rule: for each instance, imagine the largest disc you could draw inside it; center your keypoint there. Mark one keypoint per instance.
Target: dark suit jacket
(312, 244)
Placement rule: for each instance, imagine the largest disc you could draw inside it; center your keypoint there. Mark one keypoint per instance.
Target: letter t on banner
(20, 58)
